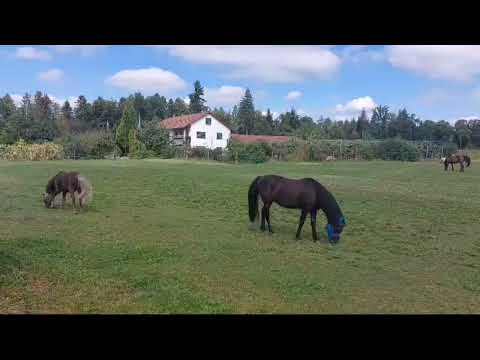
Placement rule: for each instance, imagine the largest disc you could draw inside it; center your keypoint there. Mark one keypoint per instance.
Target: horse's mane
(51, 186)
(325, 197)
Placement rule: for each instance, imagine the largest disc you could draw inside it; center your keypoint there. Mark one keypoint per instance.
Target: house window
(219, 136)
(179, 132)
(200, 135)
(208, 121)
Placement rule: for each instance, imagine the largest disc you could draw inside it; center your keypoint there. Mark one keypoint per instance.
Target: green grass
(173, 237)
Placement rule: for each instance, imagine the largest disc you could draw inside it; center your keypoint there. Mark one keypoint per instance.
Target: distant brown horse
(456, 158)
(63, 182)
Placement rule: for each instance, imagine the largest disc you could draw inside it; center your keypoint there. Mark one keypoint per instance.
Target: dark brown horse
(457, 158)
(305, 194)
(63, 182)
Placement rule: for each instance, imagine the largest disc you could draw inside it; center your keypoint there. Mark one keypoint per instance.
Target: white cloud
(51, 75)
(84, 50)
(17, 99)
(354, 107)
(360, 53)
(149, 80)
(274, 114)
(468, 118)
(61, 100)
(293, 95)
(224, 96)
(31, 53)
(447, 62)
(269, 63)
(186, 100)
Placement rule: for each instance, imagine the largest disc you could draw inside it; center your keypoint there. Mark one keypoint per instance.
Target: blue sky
(435, 82)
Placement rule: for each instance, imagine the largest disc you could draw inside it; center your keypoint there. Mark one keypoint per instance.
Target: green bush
(450, 149)
(3, 150)
(157, 140)
(4, 138)
(397, 150)
(136, 149)
(367, 150)
(218, 154)
(88, 145)
(199, 152)
(254, 153)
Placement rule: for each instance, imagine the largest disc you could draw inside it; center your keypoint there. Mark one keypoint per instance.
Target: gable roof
(179, 122)
(182, 121)
(259, 138)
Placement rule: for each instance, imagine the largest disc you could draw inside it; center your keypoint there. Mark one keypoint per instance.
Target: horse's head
(334, 230)
(47, 199)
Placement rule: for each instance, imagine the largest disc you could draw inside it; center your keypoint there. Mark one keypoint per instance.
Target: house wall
(211, 131)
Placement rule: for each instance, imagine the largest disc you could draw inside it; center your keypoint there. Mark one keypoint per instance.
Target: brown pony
(63, 182)
(456, 158)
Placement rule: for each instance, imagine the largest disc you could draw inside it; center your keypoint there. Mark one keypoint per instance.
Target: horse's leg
(462, 169)
(72, 195)
(452, 167)
(267, 215)
(300, 224)
(313, 221)
(264, 212)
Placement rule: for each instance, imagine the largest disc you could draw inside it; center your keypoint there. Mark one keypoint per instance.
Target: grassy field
(173, 237)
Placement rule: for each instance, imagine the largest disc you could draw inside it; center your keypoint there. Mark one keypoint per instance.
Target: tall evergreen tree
(26, 107)
(65, 120)
(83, 113)
(67, 111)
(269, 118)
(362, 124)
(7, 106)
(180, 107)
(197, 102)
(379, 121)
(246, 113)
(127, 123)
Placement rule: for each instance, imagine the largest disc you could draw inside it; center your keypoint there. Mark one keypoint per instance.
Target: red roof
(259, 138)
(180, 122)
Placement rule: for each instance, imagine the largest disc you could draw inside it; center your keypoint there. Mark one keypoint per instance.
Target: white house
(200, 129)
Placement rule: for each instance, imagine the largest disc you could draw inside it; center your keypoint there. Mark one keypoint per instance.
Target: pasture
(171, 236)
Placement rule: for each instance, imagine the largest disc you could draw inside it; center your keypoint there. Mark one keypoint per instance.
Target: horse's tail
(467, 160)
(445, 162)
(253, 200)
(86, 188)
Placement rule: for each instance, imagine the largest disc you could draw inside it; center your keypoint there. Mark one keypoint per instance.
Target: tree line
(39, 118)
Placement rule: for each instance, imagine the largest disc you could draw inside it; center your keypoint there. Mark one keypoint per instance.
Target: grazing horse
(305, 194)
(63, 182)
(454, 159)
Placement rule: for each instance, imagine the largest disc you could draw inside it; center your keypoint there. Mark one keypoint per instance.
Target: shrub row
(34, 152)
(88, 145)
(297, 150)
